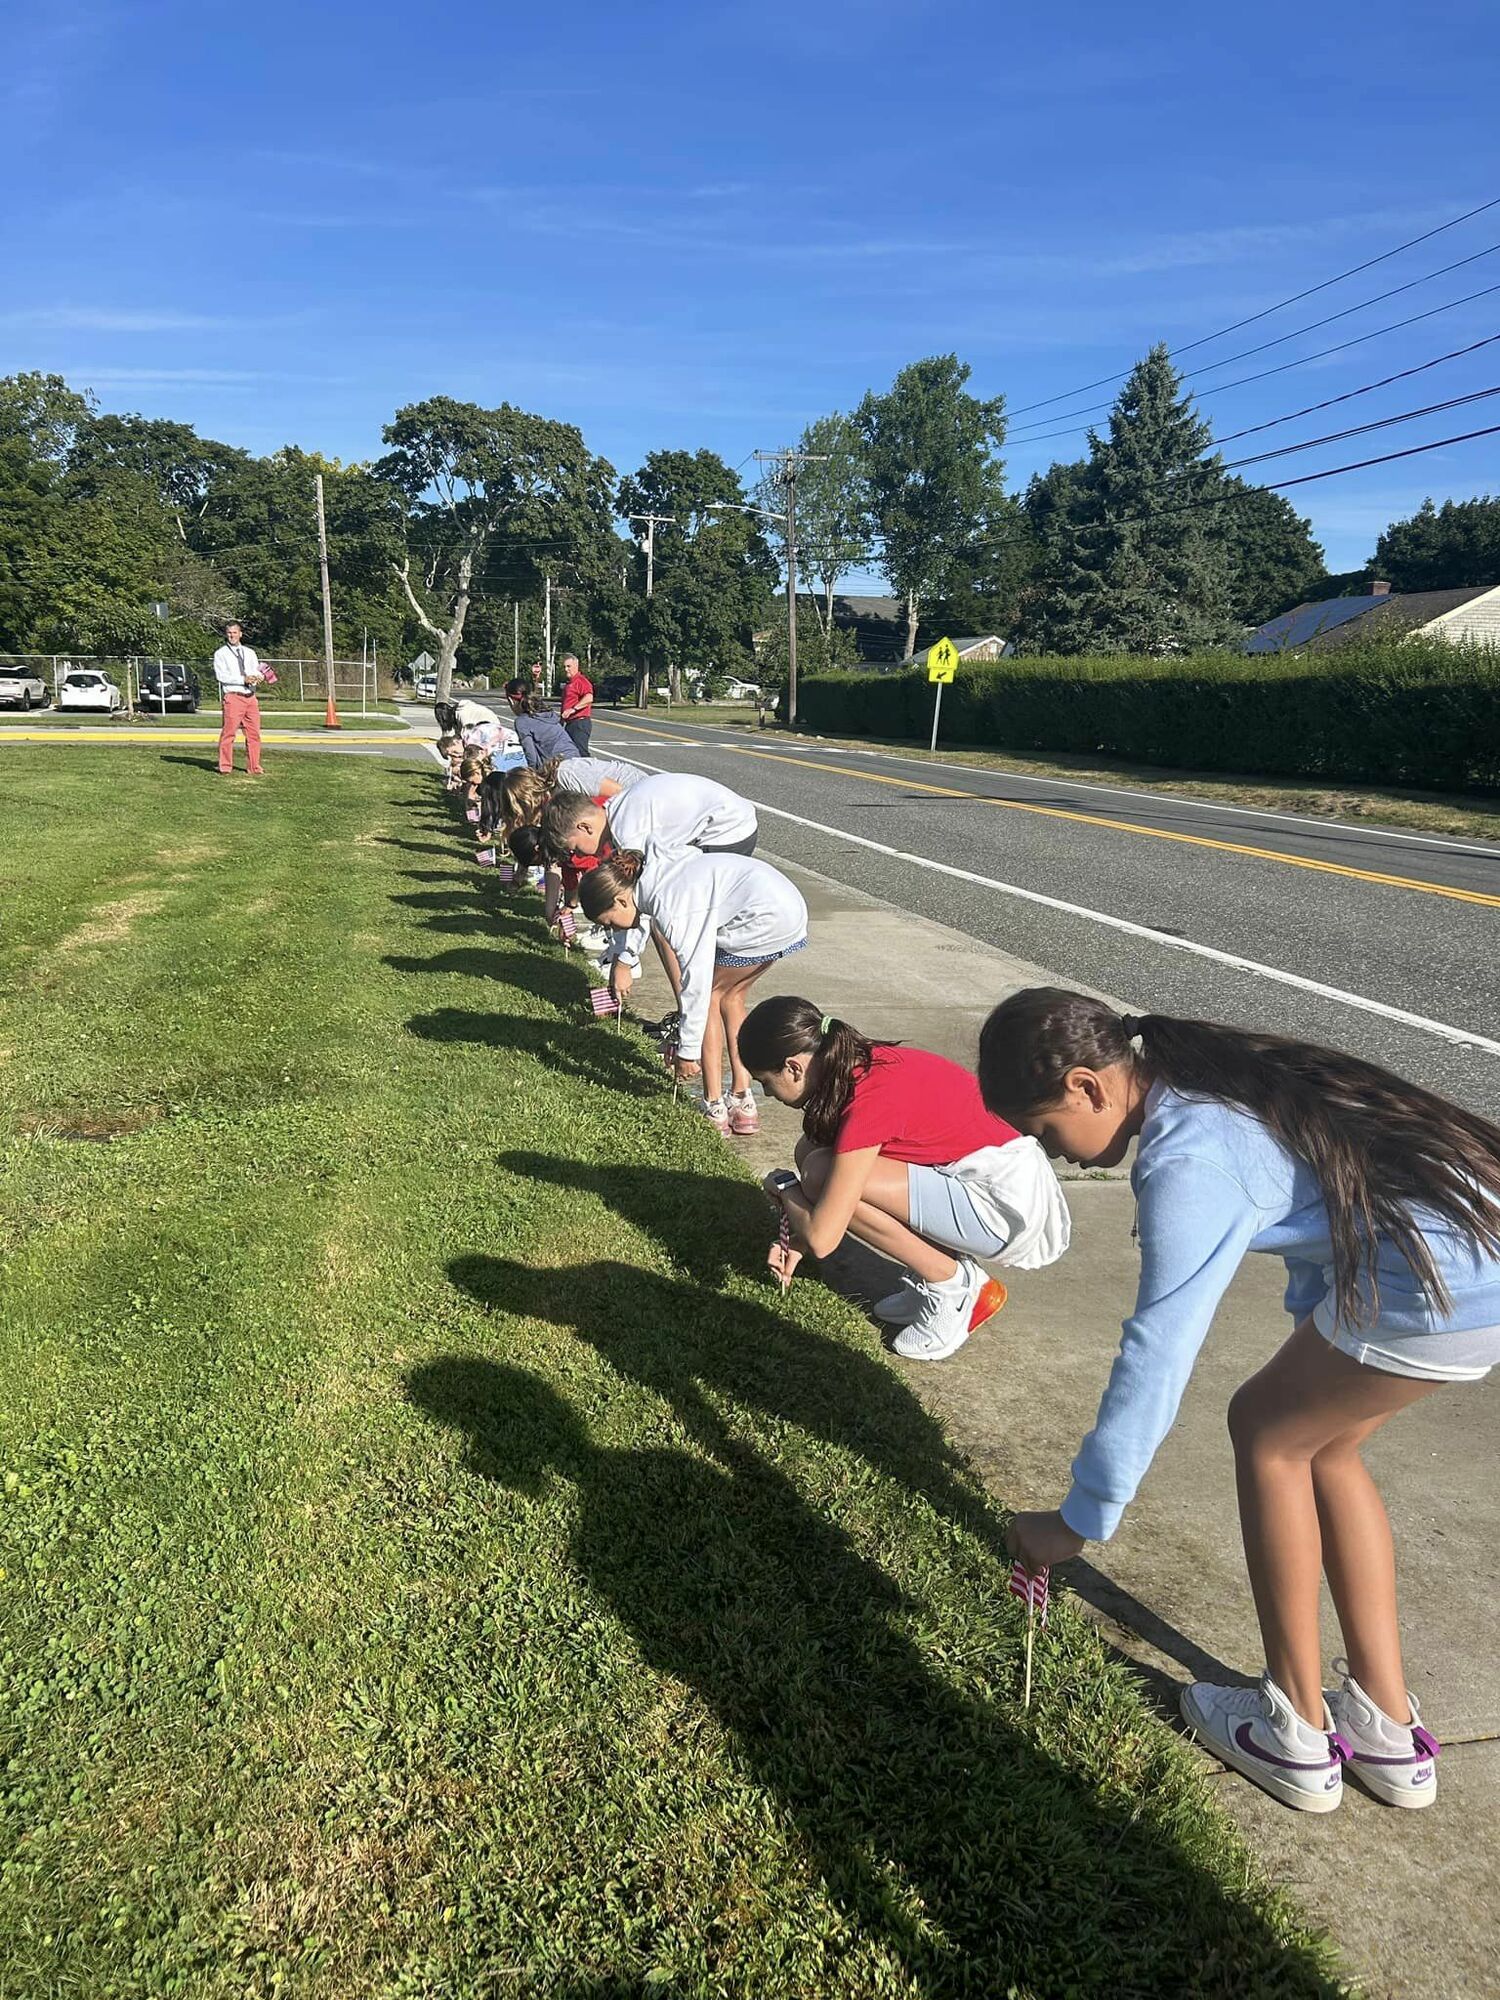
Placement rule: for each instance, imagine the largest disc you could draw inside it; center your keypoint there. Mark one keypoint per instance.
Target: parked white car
(84, 688)
(20, 687)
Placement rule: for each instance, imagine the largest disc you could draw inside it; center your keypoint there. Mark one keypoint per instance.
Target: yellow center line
(1127, 826)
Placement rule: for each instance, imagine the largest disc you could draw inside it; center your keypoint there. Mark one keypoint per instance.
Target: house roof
(964, 647)
(1336, 621)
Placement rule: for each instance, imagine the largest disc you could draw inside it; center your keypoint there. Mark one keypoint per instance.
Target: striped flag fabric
(471, 814)
(566, 926)
(485, 856)
(603, 1001)
(1032, 1590)
(784, 1238)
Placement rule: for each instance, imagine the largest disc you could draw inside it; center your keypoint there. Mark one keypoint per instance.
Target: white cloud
(117, 319)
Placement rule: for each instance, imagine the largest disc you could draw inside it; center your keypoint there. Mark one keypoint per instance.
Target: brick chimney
(1380, 590)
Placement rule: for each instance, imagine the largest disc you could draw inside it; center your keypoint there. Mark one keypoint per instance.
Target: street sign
(942, 662)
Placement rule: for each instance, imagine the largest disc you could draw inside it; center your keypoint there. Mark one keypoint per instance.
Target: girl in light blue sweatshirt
(1384, 1201)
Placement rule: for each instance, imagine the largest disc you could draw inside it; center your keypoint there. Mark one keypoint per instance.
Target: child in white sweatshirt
(726, 917)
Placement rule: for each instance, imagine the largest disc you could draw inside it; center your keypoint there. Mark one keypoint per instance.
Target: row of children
(1382, 1199)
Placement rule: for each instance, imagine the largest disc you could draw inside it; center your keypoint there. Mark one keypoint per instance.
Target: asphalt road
(1381, 942)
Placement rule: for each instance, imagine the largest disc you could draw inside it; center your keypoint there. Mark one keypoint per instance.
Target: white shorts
(1439, 1354)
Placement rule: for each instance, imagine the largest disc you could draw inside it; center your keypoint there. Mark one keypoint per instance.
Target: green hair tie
(825, 1024)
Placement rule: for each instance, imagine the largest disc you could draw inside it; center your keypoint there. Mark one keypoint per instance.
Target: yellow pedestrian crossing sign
(942, 661)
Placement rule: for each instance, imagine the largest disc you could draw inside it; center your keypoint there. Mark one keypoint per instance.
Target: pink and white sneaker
(1258, 1732)
(744, 1113)
(1396, 1762)
(716, 1111)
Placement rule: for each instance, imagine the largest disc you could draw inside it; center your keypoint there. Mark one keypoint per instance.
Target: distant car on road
(167, 685)
(85, 688)
(21, 688)
(426, 687)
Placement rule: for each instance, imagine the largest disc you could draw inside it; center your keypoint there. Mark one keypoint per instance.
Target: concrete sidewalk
(1411, 1897)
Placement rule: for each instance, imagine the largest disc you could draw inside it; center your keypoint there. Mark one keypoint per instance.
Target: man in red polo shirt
(577, 715)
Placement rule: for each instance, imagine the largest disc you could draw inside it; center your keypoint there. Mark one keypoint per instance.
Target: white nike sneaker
(941, 1323)
(1259, 1732)
(900, 1307)
(1396, 1762)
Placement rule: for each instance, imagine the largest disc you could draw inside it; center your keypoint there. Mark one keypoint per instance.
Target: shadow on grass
(713, 1229)
(937, 1822)
(193, 763)
(592, 1050)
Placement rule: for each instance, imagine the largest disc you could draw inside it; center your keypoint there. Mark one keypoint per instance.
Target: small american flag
(485, 856)
(603, 1001)
(784, 1238)
(567, 928)
(1032, 1591)
(503, 869)
(472, 815)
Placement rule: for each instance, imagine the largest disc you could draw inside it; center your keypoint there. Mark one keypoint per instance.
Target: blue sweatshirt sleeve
(1196, 1224)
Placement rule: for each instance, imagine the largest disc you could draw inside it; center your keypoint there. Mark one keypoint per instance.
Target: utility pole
(790, 463)
(330, 714)
(515, 620)
(547, 633)
(653, 522)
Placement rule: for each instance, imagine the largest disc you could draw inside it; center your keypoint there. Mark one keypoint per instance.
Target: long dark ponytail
(1381, 1147)
(522, 697)
(786, 1026)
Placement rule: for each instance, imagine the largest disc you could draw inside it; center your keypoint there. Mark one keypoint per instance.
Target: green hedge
(1414, 713)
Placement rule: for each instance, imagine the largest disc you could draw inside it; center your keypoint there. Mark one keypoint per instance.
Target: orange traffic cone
(331, 716)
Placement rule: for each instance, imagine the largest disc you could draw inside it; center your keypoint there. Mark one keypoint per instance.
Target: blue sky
(705, 225)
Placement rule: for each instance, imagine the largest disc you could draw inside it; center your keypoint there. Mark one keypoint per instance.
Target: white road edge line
(1448, 844)
(1463, 1037)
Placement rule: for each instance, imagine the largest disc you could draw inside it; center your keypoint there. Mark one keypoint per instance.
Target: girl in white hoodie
(726, 917)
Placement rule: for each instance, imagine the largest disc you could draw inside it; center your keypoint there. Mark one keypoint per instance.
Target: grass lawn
(435, 1561)
(206, 719)
(1466, 816)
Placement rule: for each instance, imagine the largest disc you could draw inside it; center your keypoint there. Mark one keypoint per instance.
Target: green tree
(1134, 557)
(42, 415)
(1442, 548)
(936, 486)
(1274, 562)
(468, 476)
(833, 511)
(988, 591)
(714, 571)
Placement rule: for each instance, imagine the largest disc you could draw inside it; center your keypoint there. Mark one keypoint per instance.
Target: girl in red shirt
(898, 1150)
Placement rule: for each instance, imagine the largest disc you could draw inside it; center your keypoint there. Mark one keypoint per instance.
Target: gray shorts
(1437, 1355)
(942, 1209)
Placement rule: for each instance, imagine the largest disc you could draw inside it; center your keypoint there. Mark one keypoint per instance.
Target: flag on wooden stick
(1032, 1590)
(603, 1001)
(567, 928)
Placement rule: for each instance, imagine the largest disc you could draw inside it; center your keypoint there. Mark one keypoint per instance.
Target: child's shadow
(936, 1824)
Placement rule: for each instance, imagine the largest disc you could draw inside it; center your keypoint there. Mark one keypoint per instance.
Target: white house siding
(1476, 623)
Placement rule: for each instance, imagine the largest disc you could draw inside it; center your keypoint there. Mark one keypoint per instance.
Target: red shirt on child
(919, 1108)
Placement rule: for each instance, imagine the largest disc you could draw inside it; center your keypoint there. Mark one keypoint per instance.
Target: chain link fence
(300, 683)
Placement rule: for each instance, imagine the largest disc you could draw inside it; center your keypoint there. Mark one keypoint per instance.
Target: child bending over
(726, 917)
(1384, 1201)
(898, 1150)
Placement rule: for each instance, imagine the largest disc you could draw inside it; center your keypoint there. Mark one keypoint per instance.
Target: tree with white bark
(483, 488)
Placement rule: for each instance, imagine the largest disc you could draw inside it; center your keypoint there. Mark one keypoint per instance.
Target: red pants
(241, 711)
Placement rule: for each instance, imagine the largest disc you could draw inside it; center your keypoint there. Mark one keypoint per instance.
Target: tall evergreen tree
(1135, 557)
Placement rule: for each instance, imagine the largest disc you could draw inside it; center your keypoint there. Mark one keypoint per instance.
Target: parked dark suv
(168, 685)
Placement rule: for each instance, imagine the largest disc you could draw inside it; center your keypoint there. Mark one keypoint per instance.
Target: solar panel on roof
(1295, 628)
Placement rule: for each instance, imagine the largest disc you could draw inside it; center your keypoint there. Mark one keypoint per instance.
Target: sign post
(942, 664)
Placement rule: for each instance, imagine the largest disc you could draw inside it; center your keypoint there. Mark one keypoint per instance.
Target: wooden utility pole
(653, 522)
(515, 620)
(547, 633)
(331, 713)
(790, 463)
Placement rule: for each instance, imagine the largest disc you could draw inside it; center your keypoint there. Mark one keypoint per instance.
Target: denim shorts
(1439, 1354)
(757, 958)
(942, 1209)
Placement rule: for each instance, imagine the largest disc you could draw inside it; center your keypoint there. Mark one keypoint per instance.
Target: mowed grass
(435, 1561)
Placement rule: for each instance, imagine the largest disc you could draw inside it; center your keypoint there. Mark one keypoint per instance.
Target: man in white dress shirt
(238, 671)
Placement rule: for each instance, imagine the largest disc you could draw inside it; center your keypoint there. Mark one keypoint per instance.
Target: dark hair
(491, 802)
(786, 1026)
(525, 843)
(563, 813)
(601, 885)
(1381, 1147)
(521, 695)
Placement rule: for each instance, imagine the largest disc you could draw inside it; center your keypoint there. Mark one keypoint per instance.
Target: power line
(1363, 430)
(1401, 375)
(1266, 311)
(1282, 367)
